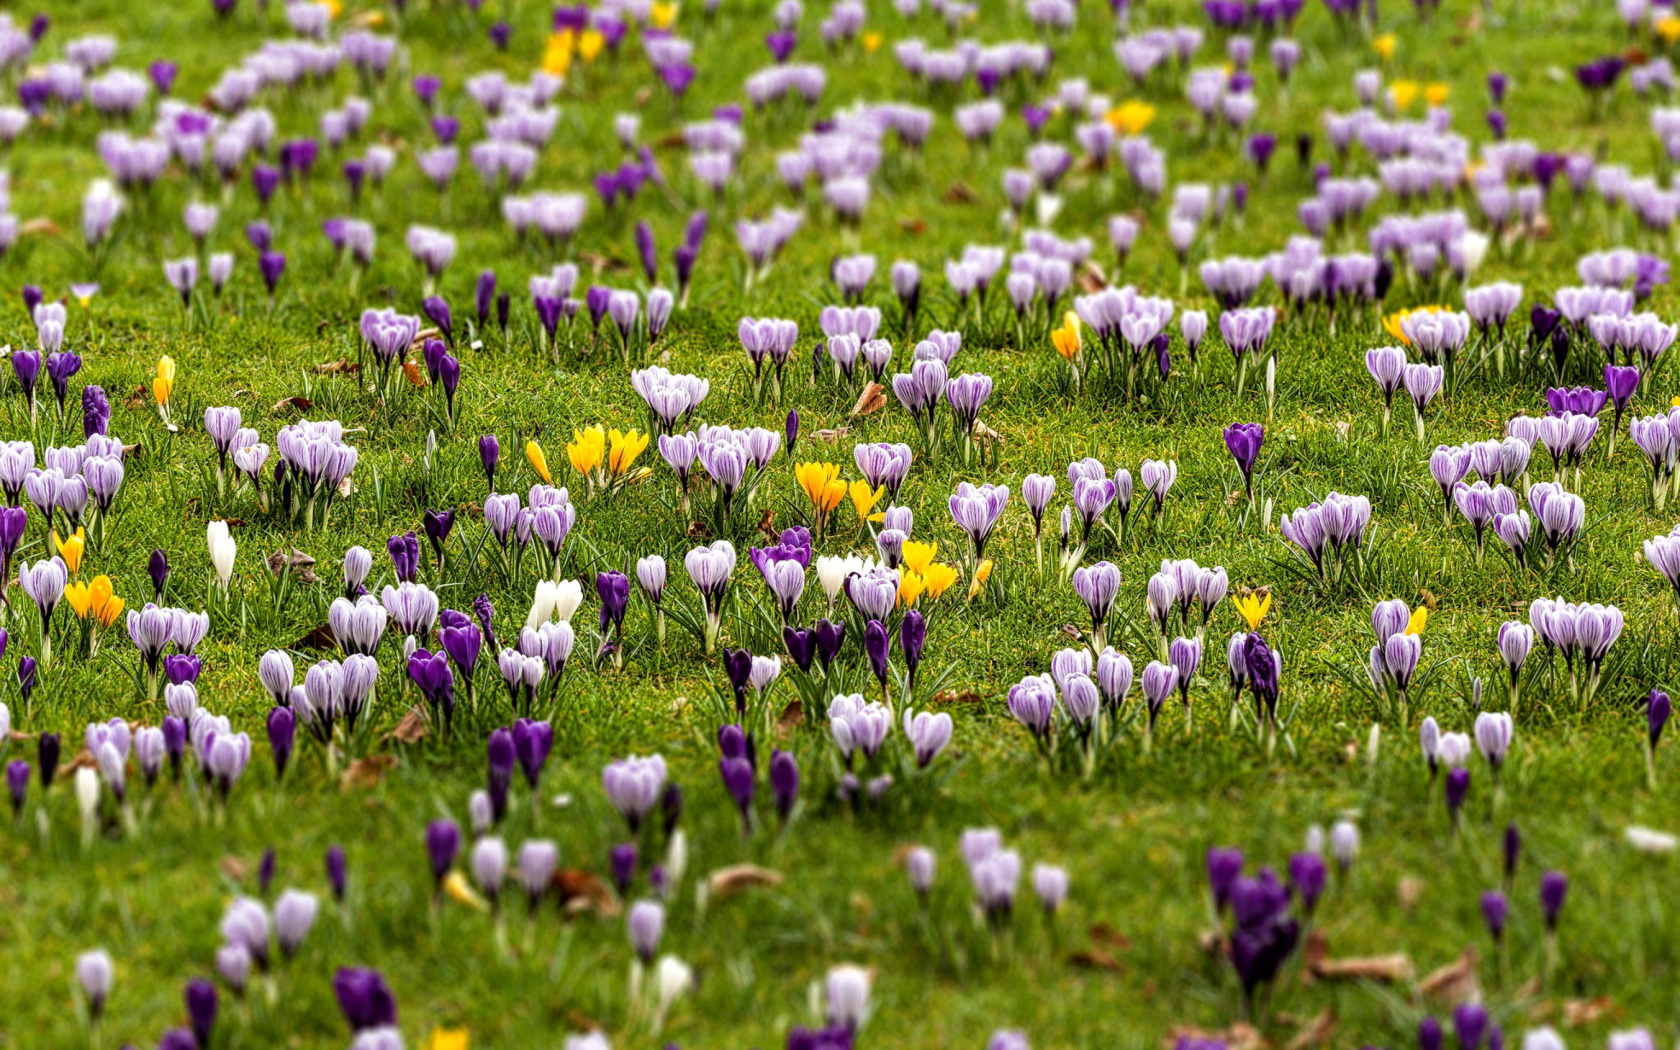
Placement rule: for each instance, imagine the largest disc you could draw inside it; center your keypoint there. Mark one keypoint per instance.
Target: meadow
(760, 907)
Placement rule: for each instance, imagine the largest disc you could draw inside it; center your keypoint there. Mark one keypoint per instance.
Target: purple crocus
(443, 840)
(1243, 440)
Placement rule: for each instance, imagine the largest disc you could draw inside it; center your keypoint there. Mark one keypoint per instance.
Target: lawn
(1134, 956)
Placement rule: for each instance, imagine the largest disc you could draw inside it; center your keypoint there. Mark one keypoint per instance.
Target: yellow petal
(461, 891)
(1419, 618)
(447, 1039)
(539, 463)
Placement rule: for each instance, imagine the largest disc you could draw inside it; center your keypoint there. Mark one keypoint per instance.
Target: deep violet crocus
(1243, 441)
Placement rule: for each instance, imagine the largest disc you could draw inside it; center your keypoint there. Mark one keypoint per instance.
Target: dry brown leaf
(1577, 1012)
(674, 140)
(953, 696)
(421, 337)
(318, 637)
(960, 193)
(699, 530)
(1239, 1036)
(871, 401)
(302, 404)
(833, 435)
(412, 729)
(415, 375)
(605, 263)
(1092, 278)
(767, 526)
(1094, 958)
(367, 772)
(1315, 1032)
(792, 715)
(1411, 891)
(345, 487)
(339, 367)
(139, 399)
(39, 224)
(19, 737)
(84, 757)
(1455, 982)
(582, 891)
(725, 883)
(301, 564)
(914, 227)
(235, 869)
(1103, 933)
(1395, 967)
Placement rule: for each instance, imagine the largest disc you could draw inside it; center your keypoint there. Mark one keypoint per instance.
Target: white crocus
(222, 550)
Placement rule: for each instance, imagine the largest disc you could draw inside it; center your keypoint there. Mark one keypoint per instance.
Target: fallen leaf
(832, 435)
(367, 772)
(318, 637)
(339, 367)
(1455, 982)
(412, 729)
(1315, 1032)
(235, 869)
(792, 715)
(725, 883)
(1411, 891)
(953, 696)
(1091, 277)
(767, 526)
(84, 758)
(960, 193)
(1578, 1012)
(871, 401)
(20, 737)
(301, 565)
(699, 530)
(1103, 933)
(1395, 967)
(1239, 1036)
(39, 224)
(345, 487)
(138, 399)
(604, 263)
(414, 373)
(582, 891)
(914, 227)
(1094, 958)
(302, 404)
(674, 140)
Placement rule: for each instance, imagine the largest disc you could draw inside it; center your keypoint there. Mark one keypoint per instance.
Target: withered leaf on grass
(952, 696)
(1577, 1012)
(1393, 968)
(302, 404)
(1091, 277)
(1455, 982)
(1239, 1036)
(582, 891)
(235, 869)
(339, 367)
(1103, 933)
(367, 772)
(725, 883)
(832, 435)
(412, 729)
(1316, 1032)
(960, 193)
(1095, 958)
(872, 400)
(301, 564)
(318, 637)
(792, 715)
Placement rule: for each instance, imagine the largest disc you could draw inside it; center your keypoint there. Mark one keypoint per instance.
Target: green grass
(1133, 835)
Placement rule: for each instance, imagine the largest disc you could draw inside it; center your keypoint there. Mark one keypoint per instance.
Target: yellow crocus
(1130, 117)
(1066, 338)
(557, 53)
(910, 587)
(1384, 46)
(917, 556)
(662, 16)
(871, 42)
(1253, 607)
(1392, 323)
(109, 612)
(817, 480)
(982, 573)
(1668, 29)
(1419, 618)
(1403, 93)
(334, 8)
(1675, 401)
(77, 596)
(1437, 93)
(71, 550)
(625, 447)
(461, 891)
(539, 462)
(587, 449)
(864, 498)
(164, 384)
(590, 44)
(939, 577)
(447, 1039)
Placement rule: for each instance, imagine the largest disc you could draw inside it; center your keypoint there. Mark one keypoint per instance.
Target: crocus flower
(1243, 441)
